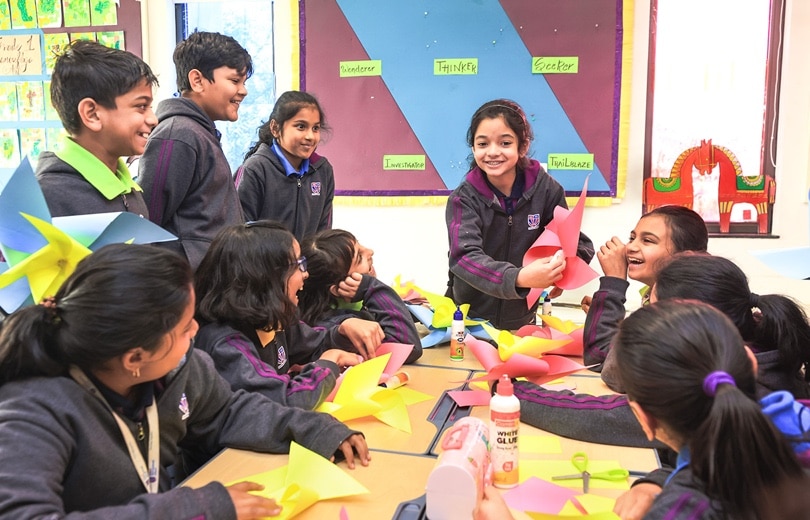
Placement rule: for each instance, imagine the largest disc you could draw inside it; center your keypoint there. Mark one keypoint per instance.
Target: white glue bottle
(546, 304)
(504, 424)
(457, 334)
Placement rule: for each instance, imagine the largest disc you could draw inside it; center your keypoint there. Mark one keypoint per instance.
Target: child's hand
(365, 335)
(613, 258)
(492, 507)
(342, 358)
(356, 443)
(634, 504)
(541, 273)
(347, 289)
(586, 303)
(249, 506)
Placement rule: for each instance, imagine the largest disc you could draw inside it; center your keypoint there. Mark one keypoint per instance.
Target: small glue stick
(397, 380)
(457, 334)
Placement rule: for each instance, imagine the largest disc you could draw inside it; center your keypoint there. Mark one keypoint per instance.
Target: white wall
(411, 240)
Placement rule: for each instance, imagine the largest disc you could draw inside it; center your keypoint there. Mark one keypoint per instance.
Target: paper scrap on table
(470, 397)
(539, 444)
(534, 494)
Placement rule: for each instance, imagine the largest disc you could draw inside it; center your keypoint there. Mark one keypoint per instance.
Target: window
(711, 107)
(250, 22)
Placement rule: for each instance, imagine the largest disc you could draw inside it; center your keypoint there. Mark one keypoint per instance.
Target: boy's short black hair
(206, 52)
(87, 69)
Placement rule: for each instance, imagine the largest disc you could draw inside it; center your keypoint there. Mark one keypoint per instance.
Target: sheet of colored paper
(77, 13)
(470, 397)
(49, 13)
(539, 444)
(5, 16)
(23, 14)
(103, 12)
(535, 494)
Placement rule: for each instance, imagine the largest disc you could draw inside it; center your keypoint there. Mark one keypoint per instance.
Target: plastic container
(457, 335)
(456, 484)
(504, 427)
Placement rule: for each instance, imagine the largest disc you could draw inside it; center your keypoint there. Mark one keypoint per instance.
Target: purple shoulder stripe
(157, 198)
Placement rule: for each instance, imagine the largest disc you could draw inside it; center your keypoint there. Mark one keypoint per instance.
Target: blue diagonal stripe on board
(414, 33)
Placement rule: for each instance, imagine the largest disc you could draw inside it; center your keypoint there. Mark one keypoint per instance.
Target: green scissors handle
(580, 461)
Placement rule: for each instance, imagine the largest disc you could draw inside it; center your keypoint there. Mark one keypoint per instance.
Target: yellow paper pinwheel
(50, 265)
(532, 346)
(306, 479)
(360, 396)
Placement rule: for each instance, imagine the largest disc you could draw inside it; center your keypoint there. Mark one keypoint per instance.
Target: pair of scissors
(580, 462)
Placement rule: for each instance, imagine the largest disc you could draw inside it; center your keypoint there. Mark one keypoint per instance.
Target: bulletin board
(32, 34)
(399, 81)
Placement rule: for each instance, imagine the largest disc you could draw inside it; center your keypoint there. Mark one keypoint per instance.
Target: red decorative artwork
(733, 186)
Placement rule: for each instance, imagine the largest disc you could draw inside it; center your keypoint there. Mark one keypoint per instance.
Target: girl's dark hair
(118, 298)
(687, 230)
(515, 119)
(286, 107)
(779, 324)
(330, 254)
(664, 351)
(242, 279)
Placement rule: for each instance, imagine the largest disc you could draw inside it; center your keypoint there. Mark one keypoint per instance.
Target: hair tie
(753, 299)
(715, 379)
(49, 304)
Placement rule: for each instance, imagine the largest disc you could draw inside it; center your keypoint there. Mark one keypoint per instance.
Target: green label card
(570, 161)
(352, 69)
(555, 64)
(455, 67)
(403, 162)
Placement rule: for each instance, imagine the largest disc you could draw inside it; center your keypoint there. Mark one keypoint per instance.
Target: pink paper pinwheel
(537, 370)
(562, 233)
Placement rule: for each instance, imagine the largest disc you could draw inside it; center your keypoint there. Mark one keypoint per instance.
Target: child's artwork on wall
(32, 34)
(400, 81)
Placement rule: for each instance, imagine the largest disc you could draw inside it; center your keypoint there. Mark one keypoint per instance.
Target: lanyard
(148, 476)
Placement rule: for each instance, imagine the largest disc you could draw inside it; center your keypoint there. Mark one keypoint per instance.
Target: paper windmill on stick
(41, 252)
(562, 233)
(438, 318)
(307, 478)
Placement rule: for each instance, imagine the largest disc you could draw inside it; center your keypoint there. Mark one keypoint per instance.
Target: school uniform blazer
(186, 179)
(606, 312)
(68, 193)
(487, 245)
(303, 204)
(248, 365)
(63, 453)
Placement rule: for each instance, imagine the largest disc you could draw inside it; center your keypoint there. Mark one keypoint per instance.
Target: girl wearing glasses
(247, 302)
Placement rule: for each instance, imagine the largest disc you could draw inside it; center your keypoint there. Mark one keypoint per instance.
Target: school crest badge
(534, 221)
(282, 356)
(184, 409)
(315, 188)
